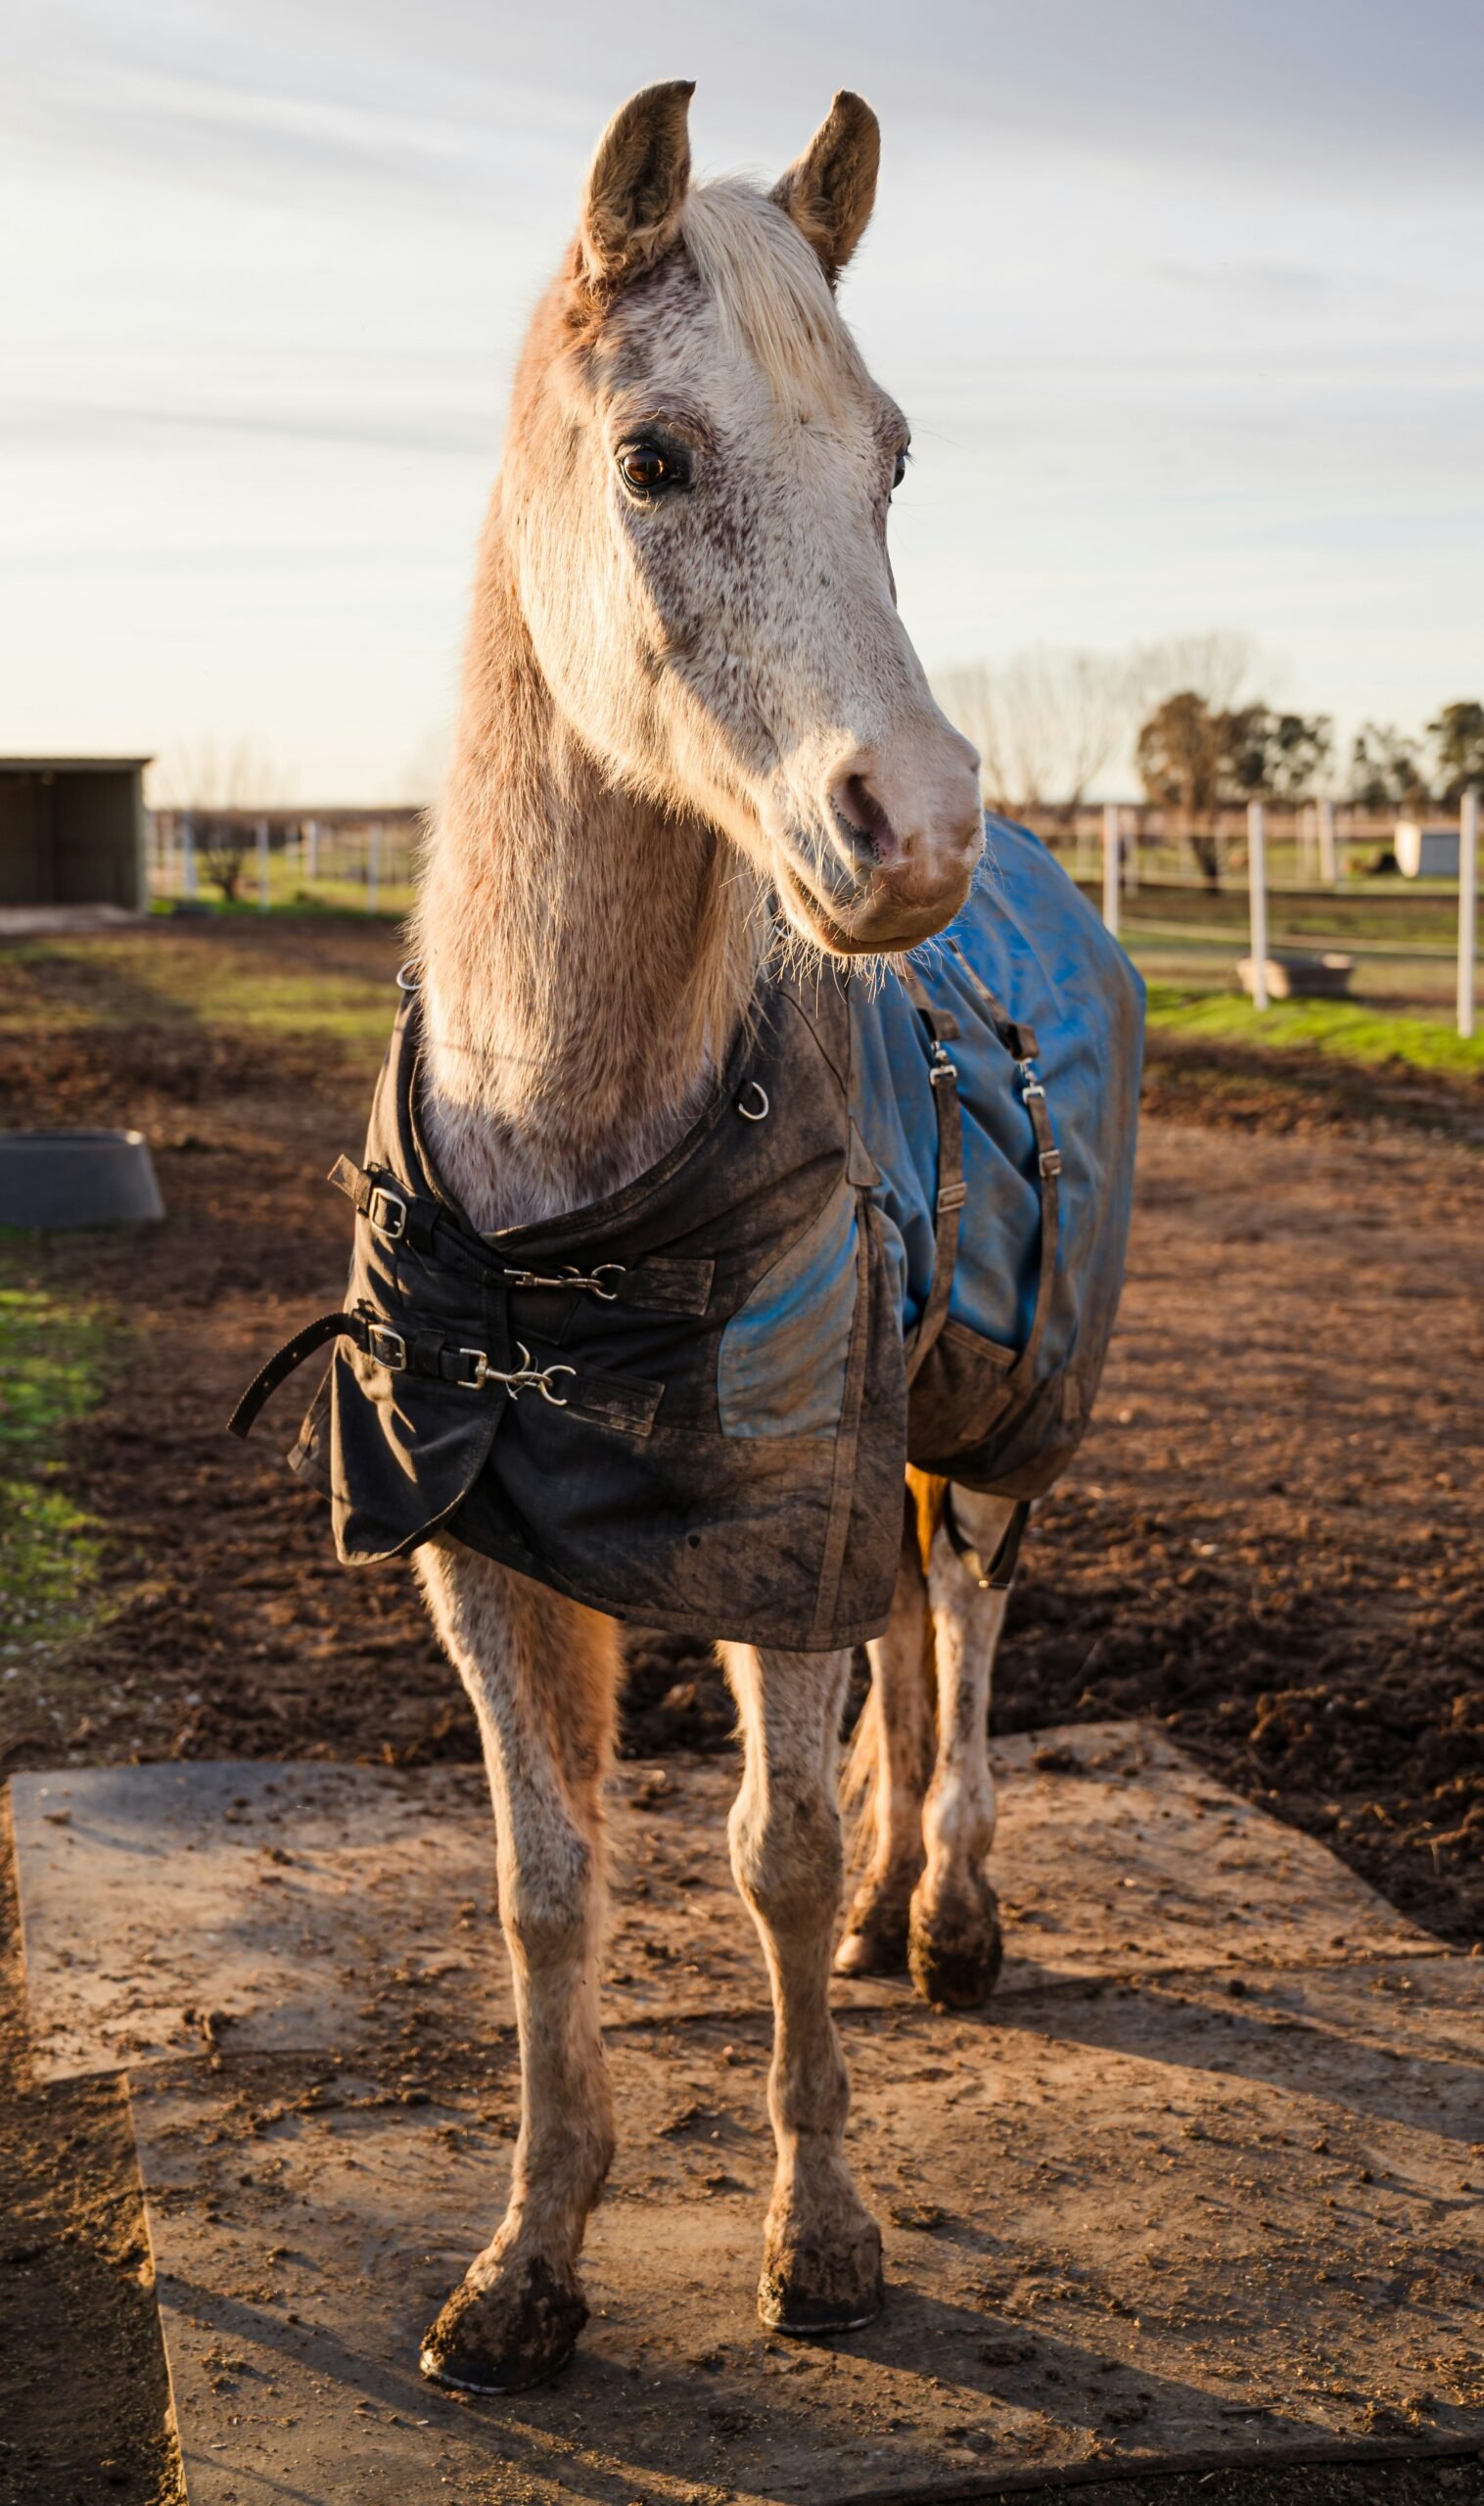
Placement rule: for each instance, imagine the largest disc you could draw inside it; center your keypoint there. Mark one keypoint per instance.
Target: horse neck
(585, 959)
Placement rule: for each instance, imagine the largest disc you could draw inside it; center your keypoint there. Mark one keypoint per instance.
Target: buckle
(942, 1067)
(387, 1347)
(386, 1213)
(1050, 1161)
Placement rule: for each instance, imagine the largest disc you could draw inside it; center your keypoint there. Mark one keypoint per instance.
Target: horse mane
(770, 290)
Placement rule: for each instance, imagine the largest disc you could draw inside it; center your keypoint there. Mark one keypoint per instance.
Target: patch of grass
(51, 1372)
(1382, 914)
(1347, 1029)
(228, 977)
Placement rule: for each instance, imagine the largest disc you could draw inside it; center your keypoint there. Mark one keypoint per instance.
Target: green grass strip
(1346, 1030)
(52, 1360)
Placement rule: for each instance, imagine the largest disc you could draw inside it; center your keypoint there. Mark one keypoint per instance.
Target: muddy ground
(1270, 1540)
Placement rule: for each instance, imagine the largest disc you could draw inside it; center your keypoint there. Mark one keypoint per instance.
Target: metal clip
(1031, 1085)
(943, 1067)
(759, 1113)
(387, 1347)
(386, 1213)
(608, 1295)
(571, 1279)
(524, 1378)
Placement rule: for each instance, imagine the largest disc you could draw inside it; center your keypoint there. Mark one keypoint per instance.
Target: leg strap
(999, 1574)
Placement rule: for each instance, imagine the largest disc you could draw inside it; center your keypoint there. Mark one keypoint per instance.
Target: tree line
(1048, 722)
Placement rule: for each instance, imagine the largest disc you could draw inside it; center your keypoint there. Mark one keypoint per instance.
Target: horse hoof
(809, 2286)
(517, 2331)
(875, 1945)
(955, 1950)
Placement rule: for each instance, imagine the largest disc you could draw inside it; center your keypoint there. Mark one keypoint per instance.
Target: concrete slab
(280, 1908)
(1205, 2219)
(1198, 2188)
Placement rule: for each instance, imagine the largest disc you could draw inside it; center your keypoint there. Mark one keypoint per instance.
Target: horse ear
(830, 190)
(637, 184)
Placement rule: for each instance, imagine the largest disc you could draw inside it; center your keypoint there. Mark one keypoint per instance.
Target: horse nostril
(857, 805)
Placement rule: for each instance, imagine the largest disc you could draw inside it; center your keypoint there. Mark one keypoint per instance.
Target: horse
(693, 731)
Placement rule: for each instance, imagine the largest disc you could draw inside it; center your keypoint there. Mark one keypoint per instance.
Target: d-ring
(406, 980)
(759, 1112)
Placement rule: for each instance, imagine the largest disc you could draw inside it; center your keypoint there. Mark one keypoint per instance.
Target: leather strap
(1019, 1040)
(662, 1283)
(617, 1401)
(999, 1574)
(943, 1028)
(284, 1362)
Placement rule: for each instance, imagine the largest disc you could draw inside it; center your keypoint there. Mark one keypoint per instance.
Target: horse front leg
(821, 2266)
(543, 1674)
(953, 1944)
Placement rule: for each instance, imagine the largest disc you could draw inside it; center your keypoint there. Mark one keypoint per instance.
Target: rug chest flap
(572, 1399)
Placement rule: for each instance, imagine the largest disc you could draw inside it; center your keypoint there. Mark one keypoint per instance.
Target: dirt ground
(1270, 1540)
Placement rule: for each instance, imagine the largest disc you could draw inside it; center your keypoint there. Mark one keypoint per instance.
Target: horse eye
(900, 473)
(644, 468)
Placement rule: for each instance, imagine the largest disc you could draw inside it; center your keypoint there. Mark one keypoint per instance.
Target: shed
(72, 831)
(1426, 852)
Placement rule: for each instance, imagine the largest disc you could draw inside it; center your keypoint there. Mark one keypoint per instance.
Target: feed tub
(1294, 974)
(76, 1179)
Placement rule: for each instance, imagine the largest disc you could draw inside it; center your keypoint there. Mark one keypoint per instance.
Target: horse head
(695, 497)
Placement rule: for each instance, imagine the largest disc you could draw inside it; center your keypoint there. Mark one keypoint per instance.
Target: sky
(1185, 304)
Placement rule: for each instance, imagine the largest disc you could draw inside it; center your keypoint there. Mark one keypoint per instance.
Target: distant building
(72, 831)
(1426, 852)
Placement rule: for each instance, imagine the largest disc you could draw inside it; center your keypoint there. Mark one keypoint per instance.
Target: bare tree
(217, 786)
(1045, 722)
(1220, 666)
(967, 695)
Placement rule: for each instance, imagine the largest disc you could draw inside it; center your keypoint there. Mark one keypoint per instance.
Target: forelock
(770, 290)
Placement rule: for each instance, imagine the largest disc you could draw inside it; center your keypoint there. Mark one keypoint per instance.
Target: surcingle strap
(1019, 1040)
(943, 1029)
(616, 1400)
(283, 1363)
(662, 1283)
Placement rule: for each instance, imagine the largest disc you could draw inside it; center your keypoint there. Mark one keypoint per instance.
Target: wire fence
(1314, 895)
(1320, 844)
(355, 860)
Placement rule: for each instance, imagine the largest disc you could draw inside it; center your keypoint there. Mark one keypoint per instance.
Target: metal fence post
(1469, 893)
(1257, 899)
(1110, 865)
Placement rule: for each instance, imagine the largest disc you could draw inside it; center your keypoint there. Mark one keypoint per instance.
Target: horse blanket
(896, 1234)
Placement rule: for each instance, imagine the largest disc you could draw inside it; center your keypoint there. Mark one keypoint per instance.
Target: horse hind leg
(543, 1674)
(891, 1759)
(822, 2266)
(954, 1945)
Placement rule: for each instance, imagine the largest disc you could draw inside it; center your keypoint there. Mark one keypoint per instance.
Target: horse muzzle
(881, 916)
